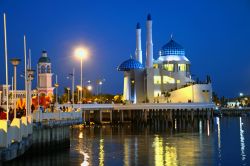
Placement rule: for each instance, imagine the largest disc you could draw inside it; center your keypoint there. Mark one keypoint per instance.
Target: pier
(144, 113)
(51, 129)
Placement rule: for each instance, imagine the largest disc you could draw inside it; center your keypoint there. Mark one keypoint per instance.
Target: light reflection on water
(242, 141)
(205, 143)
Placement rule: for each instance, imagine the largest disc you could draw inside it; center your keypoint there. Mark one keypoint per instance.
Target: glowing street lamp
(89, 87)
(241, 94)
(99, 84)
(81, 53)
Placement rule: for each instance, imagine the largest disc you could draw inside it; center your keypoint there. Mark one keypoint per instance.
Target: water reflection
(242, 141)
(126, 152)
(86, 158)
(101, 153)
(219, 138)
(197, 144)
(158, 150)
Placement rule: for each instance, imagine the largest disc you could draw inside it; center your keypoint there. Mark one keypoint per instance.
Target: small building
(45, 87)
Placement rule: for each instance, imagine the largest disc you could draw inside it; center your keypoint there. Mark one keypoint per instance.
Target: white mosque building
(162, 80)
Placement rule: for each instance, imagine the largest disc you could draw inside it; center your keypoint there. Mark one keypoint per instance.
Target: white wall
(194, 93)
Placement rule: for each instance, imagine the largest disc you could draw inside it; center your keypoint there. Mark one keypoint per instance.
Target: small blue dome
(172, 48)
(130, 64)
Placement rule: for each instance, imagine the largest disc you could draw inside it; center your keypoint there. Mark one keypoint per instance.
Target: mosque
(166, 79)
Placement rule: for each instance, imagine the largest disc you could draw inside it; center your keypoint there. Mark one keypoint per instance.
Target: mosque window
(169, 67)
(181, 67)
(157, 79)
(178, 81)
(43, 69)
(155, 66)
(168, 80)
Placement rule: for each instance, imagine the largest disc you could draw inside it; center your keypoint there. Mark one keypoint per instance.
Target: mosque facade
(166, 79)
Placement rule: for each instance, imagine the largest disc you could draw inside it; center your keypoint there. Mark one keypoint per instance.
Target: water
(225, 142)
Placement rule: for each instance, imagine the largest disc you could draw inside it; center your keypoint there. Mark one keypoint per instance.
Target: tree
(167, 95)
(118, 98)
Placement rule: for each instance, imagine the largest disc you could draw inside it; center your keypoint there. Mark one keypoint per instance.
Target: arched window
(43, 69)
(48, 69)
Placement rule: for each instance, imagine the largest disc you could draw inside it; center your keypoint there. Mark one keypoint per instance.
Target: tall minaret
(149, 43)
(138, 51)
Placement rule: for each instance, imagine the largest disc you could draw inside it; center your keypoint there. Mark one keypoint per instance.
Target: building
(45, 74)
(165, 79)
(44, 83)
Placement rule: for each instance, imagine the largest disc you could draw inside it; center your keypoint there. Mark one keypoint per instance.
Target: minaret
(149, 43)
(138, 51)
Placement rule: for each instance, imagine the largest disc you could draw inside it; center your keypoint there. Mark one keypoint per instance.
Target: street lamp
(81, 53)
(68, 94)
(89, 87)
(56, 86)
(79, 88)
(15, 62)
(30, 76)
(72, 76)
(99, 84)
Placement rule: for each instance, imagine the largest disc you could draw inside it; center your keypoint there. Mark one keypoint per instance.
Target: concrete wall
(48, 138)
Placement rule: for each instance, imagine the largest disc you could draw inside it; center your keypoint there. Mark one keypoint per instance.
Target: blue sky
(214, 33)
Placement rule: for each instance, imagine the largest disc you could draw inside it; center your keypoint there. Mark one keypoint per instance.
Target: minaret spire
(149, 43)
(138, 51)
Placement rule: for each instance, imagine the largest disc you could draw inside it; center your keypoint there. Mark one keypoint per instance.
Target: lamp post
(72, 76)
(99, 84)
(56, 86)
(30, 77)
(6, 66)
(81, 53)
(15, 62)
(68, 94)
(78, 91)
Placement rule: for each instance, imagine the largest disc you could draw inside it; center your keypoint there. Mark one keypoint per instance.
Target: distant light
(79, 87)
(241, 94)
(89, 87)
(100, 83)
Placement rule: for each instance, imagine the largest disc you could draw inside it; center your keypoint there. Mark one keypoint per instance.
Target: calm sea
(224, 142)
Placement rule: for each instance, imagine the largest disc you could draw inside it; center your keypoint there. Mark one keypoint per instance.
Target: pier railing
(140, 106)
(39, 116)
(14, 131)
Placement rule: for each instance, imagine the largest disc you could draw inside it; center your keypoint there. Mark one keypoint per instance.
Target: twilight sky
(214, 33)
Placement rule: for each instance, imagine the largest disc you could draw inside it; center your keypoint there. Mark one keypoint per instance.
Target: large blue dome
(172, 48)
(130, 64)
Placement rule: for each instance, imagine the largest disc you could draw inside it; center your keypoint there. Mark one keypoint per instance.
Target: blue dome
(130, 64)
(172, 48)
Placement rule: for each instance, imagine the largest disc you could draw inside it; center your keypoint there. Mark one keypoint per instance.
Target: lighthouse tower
(45, 76)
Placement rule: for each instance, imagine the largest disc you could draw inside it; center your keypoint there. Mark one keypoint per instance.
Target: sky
(214, 33)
